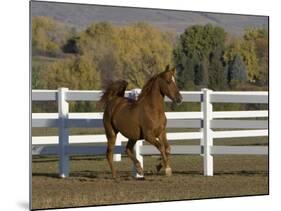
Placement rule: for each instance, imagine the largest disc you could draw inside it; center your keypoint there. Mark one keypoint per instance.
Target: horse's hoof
(168, 171)
(140, 178)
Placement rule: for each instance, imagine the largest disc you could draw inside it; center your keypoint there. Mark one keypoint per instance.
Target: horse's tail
(113, 89)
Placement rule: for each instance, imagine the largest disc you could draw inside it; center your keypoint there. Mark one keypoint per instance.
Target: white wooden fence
(206, 120)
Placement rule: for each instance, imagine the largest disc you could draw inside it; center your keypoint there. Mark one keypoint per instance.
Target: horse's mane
(117, 89)
(146, 88)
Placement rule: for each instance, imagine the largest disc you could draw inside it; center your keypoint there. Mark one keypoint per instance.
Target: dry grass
(90, 180)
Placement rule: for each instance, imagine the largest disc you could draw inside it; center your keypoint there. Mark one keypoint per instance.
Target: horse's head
(167, 84)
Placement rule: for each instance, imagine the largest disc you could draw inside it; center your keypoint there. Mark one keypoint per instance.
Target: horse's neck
(155, 98)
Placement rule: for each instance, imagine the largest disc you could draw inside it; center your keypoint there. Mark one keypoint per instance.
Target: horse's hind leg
(131, 154)
(111, 138)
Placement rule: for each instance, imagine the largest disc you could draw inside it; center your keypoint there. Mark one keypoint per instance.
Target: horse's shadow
(44, 174)
(125, 175)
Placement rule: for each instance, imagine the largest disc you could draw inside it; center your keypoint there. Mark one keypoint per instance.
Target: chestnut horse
(140, 119)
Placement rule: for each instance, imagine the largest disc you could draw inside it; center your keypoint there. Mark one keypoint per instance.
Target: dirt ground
(90, 180)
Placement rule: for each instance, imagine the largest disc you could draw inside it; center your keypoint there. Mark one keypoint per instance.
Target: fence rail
(206, 120)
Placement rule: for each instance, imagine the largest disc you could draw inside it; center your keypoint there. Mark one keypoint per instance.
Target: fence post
(139, 158)
(63, 133)
(207, 132)
(202, 128)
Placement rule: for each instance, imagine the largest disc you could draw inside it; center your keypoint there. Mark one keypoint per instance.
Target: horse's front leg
(159, 144)
(163, 139)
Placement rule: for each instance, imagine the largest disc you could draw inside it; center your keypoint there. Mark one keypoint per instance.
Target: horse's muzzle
(178, 99)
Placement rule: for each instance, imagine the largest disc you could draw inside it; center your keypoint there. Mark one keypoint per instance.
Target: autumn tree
(253, 49)
(134, 52)
(144, 51)
(77, 72)
(100, 43)
(259, 36)
(48, 36)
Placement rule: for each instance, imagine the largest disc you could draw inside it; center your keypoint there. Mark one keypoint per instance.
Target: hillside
(80, 16)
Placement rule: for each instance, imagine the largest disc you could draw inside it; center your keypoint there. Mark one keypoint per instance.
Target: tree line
(204, 55)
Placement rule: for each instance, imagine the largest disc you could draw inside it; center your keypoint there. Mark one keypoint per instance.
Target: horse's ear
(167, 68)
(173, 70)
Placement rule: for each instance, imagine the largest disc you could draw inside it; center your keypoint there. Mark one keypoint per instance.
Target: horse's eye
(168, 82)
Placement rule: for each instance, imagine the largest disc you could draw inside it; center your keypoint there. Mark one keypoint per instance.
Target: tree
(134, 52)
(184, 67)
(217, 79)
(193, 51)
(76, 73)
(259, 36)
(100, 42)
(48, 36)
(201, 71)
(201, 40)
(237, 70)
(253, 48)
(148, 51)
